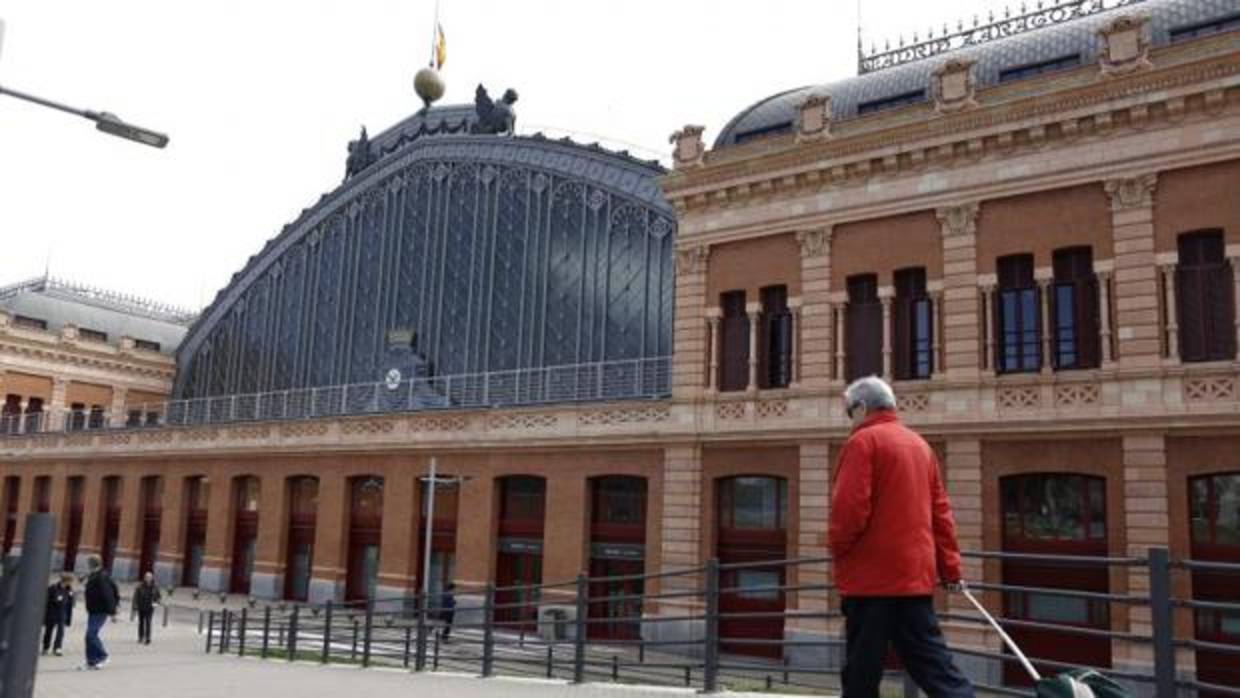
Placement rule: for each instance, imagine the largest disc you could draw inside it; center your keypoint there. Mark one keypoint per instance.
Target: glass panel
(1230, 624)
(1065, 325)
(194, 565)
(922, 339)
(1057, 609)
(1011, 507)
(302, 560)
(1052, 508)
(370, 569)
(247, 494)
(1199, 506)
(757, 579)
(305, 495)
(757, 502)
(1227, 523)
(368, 497)
(1097, 508)
(1029, 334)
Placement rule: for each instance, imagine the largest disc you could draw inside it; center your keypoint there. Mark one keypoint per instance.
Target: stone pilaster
(682, 511)
(961, 333)
(1044, 278)
(168, 565)
(1166, 269)
(754, 311)
(964, 487)
(689, 329)
(56, 406)
(117, 415)
(128, 552)
(330, 540)
(986, 286)
(400, 530)
(92, 519)
(885, 295)
(1136, 277)
(814, 487)
(815, 324)
(217, 552)
(1103, 272)
(794, 357)
(839, 301)
(712, 349)
(1146, 524)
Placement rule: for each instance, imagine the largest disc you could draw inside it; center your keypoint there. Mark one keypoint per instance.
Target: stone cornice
(1137, 102)
(74, 356)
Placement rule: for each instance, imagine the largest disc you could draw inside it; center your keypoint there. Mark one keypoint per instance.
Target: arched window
(365, 527)
(752, 521)
(1214, 507)
(303, 493)
(246, 491)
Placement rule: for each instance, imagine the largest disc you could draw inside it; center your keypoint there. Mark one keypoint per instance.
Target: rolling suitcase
(1078, 683)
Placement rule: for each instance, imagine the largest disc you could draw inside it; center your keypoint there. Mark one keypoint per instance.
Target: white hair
(872, 392)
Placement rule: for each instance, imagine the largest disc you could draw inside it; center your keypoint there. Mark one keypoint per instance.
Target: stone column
(267, 582)
(712, 349)
(989, 361)
(1136, 277)
(565, 543)
(168, 565)
(814, 489)
(1044, 277)
(1102, 271)
(1146, 524)
(475, 543)
(840, 301)
(961, 330)
(56, 406)
(688, 330)
(1173, 325)
(117, 415)
(217, 554)
(754, 311)
(885, 295)
(92, 520)
(812, 340)
(794, 357)
(682, 540)
(125, 564)
(60, 514)
(330, 539)
(400, 530)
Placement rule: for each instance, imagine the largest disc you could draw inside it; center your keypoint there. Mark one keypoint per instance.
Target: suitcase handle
(1007, 640)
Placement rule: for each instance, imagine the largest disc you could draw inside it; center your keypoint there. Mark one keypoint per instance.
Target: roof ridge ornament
(1026, 20)
(689, 150)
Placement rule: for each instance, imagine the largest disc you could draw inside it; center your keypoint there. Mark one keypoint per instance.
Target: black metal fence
(23, 593)
(765, 625)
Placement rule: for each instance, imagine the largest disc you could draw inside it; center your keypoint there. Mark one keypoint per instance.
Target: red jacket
(892, 532)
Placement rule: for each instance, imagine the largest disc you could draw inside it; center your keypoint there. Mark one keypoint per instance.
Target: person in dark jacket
(102, 598)
(447, 610)
(58, 614)
(145, 598)
(892, 536)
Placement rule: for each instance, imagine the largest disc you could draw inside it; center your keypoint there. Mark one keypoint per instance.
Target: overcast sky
(261, 98)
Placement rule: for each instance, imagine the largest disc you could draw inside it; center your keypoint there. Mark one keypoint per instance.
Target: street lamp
(104, 121)
(431, 482)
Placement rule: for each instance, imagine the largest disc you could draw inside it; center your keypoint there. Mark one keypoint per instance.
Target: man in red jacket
(893, 539)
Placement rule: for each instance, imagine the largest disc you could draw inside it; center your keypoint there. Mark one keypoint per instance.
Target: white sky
(261, 98)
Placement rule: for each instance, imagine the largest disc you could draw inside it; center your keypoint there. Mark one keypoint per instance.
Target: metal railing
(634, 379)
(23, 594)
(709, 627)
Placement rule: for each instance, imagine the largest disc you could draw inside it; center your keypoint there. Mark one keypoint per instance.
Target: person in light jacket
(893, 539)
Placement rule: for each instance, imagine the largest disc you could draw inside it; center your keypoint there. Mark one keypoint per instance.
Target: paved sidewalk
(176, 665)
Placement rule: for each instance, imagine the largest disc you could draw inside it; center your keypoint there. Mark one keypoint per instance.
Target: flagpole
(434, 34)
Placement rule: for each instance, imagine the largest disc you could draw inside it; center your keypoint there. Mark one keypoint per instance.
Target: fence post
(292, 633)
(353, 644)
(266, 631)
(225, 622)
(419, 661)
(327, 632)
(579, 639)
(165, 621)
(200, 622)
(1161, 623)
(408, 643)
(710, 653)
(210, 628)
(241, 632)
(370, 626)
(488, 629)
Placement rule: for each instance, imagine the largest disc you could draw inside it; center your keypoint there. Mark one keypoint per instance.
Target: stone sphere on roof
(429, 85)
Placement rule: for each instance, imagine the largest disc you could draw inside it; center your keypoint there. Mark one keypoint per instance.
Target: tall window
(1206, 298)
(77, 416)
(775, 359)
(914, 357)
(1074, 307)
(10, 414)
(864, 327)
(755, 503)
(1017, 317)
(733, 342)
(34, 415)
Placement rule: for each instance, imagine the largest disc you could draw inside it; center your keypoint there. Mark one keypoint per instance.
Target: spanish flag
(441, 47)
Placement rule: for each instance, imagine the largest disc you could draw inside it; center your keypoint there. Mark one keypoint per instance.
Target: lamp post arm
(48, 103)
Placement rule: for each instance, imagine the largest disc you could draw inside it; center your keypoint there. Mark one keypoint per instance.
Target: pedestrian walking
(102, 599)
(893, 537)
(58, 614)
(447, 610)
(145, 598)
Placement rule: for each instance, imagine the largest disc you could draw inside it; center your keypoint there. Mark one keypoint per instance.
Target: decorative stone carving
(1076, 395)
(523, 421)
(1210, 389)
(1132, 192)
(730, 410)
(692, 260)
(814, 118)
(953, 86)
(958, 220)
(689, 148)
(439, 423)
(910, 403)
(1125, 45)
(771, 409)
(1019, 398)
(69, 333)
(814, 242)
(616, 417)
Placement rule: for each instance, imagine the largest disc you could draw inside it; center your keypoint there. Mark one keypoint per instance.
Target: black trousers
(144, 626)
(448, 617)
(872, 624)
(56, 628)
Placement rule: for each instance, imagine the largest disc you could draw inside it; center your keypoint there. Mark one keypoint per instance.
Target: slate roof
(1045, 44)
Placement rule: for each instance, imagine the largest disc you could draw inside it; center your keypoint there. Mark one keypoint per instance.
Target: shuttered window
(864, 331)
(1205, 298)
(733, 342)
(775, 342)
(914, 326)
(1017, 316)
(1074, 309)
